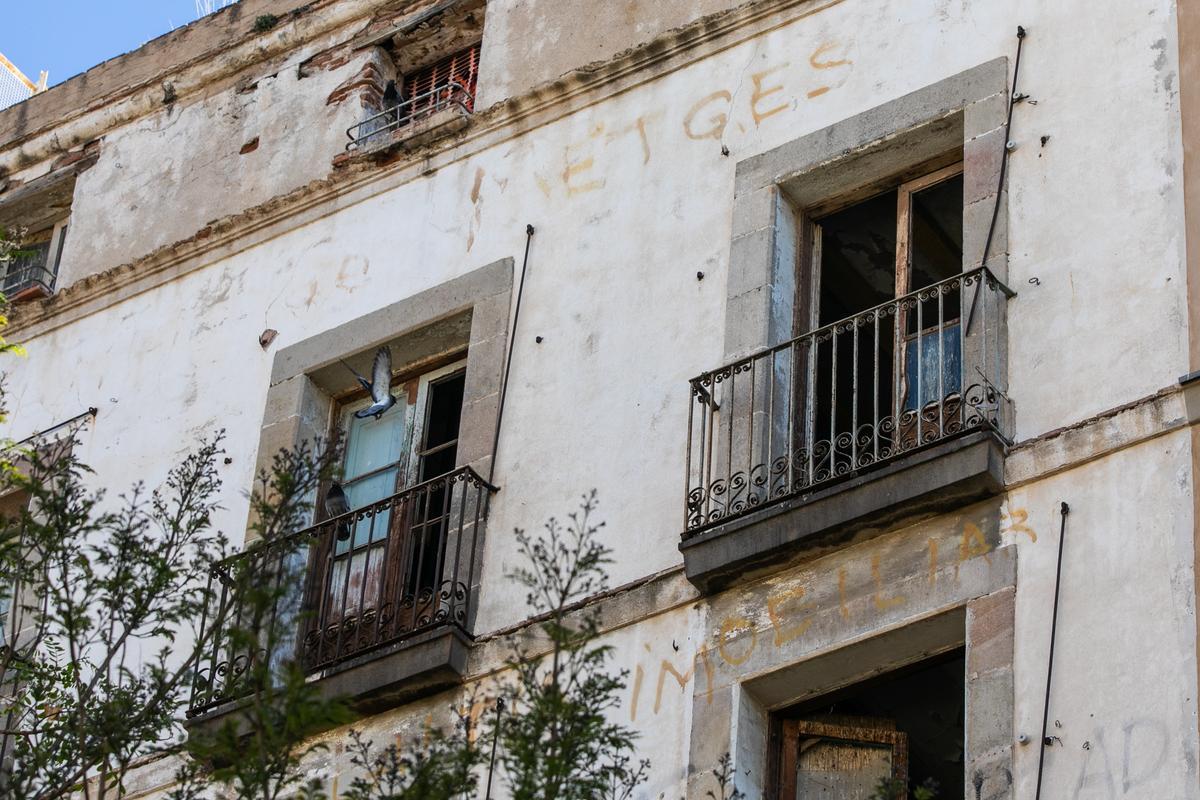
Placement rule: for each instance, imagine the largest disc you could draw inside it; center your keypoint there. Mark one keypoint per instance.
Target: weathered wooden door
(841, 758)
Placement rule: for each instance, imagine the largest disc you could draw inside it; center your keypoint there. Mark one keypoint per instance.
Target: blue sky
(67, 37)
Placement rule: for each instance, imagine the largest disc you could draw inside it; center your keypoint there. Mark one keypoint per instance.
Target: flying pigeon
(379, 386)
(337, 504)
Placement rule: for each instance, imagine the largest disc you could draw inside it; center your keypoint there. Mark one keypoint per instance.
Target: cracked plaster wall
(183, 166)
(631, 197)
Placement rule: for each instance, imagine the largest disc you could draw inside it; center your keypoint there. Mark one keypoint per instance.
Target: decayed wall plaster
(631, 198)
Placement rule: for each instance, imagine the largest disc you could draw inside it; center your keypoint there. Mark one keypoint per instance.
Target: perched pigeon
(337, 504)
(379, 386)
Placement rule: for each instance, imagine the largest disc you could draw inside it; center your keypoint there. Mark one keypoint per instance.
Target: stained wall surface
(631, 193)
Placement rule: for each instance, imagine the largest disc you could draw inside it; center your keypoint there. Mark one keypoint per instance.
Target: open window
(876, 740)
(433, 65)
(383, 589)
(32, 271)
(885, 300)
(389, 568)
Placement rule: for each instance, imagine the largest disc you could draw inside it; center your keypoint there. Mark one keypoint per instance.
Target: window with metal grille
(451, 79)
(30, 273)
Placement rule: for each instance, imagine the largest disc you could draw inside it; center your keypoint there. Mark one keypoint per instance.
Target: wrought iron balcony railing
(847, 397)
(28, 273)
(379, 127)
(344, 587)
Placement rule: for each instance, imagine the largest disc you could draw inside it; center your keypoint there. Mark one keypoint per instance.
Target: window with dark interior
(382, 574)
(888, 355)
(885, 296)
(882, 738)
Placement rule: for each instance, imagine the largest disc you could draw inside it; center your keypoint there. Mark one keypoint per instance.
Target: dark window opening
(896, 346)
(858, 258)
(888, 347)
(437, 457)
(900, 731)
(443, 414)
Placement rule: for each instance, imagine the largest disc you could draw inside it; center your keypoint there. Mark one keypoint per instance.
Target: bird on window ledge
(337, 504)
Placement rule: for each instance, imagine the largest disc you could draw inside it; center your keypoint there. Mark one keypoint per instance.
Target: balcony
(28, 276)
(418, 120)
(384, 601)
(893, 410)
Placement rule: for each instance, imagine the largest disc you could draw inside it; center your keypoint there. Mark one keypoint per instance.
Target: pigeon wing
(381, 375)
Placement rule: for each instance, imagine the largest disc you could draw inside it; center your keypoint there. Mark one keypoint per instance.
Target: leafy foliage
(557, 741)
(441, 767)
(102, 633)
(897, 789)
(724, 775)
(94, 588)
(256, 752)
(9, 249)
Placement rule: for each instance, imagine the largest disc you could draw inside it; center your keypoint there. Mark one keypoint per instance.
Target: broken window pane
(858, 258)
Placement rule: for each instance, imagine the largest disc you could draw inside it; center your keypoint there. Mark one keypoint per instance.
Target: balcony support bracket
(946, 475)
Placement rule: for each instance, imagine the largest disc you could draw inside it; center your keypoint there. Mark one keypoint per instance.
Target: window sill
(947, 475)
(421, 665)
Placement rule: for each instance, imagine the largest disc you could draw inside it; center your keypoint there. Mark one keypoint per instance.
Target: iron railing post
(833, 430)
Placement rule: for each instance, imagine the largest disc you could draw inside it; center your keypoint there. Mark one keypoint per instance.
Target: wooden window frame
(415, 382)
(906, 185)
(415, 388)
(808, 286)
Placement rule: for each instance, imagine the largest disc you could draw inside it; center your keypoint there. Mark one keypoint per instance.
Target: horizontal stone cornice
(367, 176)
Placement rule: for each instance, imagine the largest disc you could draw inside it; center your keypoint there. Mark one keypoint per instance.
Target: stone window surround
(964, 112)
(977, 613)
(968, 111)
(962, 116)
(470, 311)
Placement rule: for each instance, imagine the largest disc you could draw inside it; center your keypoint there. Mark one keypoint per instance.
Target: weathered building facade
(838, 308)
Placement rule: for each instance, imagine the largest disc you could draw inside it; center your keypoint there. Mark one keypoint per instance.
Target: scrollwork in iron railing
(409, 564)
(846, 397)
